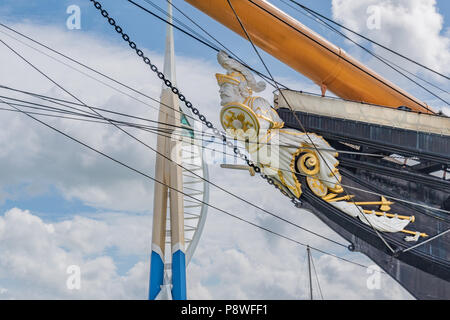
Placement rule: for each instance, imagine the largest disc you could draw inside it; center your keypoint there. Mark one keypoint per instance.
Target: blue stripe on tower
(156, 275)
(179, 275)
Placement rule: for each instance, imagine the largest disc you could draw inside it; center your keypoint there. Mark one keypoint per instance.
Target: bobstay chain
(220, 134)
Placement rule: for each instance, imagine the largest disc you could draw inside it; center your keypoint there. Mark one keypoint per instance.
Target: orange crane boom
(305, 51)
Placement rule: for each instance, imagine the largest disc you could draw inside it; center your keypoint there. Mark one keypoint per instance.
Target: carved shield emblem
(238, 116)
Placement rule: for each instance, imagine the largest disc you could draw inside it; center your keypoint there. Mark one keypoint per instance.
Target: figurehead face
(233, 88)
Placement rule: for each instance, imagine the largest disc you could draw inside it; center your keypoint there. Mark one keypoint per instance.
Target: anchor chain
(220, 134)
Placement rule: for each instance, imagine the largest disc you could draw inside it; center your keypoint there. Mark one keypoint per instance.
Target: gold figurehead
(252, 120)
(285, 154)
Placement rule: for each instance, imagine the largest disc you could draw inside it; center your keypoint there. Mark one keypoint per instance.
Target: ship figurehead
(278, 151)
(286, 155)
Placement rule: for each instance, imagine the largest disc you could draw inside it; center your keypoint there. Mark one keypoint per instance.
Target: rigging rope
(174, 189)
(223, 46)
(168, 136)
(139, 126)
(50, 99)
(370, 40)
(304, 130)
(343, 58)
(382, 59)
(134, 90)
(187, 33)
(168, 158)
(19, 110)
(317, 276)
(93, 70)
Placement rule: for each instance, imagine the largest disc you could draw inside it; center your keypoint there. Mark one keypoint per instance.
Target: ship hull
(370, 139)
(422, 275)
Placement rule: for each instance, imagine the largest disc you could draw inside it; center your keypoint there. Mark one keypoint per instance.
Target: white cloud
(46, 158)
(233, 261)
(411, 27)
(35, 257)
(238, 261)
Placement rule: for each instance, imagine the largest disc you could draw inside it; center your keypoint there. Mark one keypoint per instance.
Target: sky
(63, 205)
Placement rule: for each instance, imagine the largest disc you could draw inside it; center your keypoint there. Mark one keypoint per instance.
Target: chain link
(188, 104)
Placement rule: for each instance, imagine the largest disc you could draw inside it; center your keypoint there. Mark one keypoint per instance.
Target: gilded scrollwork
(282, 153)
(286, 154)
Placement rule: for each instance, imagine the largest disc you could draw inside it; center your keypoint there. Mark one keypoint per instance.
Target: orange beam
(307, 52)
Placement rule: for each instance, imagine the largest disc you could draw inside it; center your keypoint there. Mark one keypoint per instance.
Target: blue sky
(59, 203)
(149, 32)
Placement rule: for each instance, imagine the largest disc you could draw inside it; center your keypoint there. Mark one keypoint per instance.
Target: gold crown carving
(234, 78)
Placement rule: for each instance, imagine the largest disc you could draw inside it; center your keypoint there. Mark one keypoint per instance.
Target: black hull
(423, 275)
(425, 270)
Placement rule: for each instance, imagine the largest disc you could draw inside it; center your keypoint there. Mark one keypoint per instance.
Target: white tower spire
(169, 58)
(170, 173)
